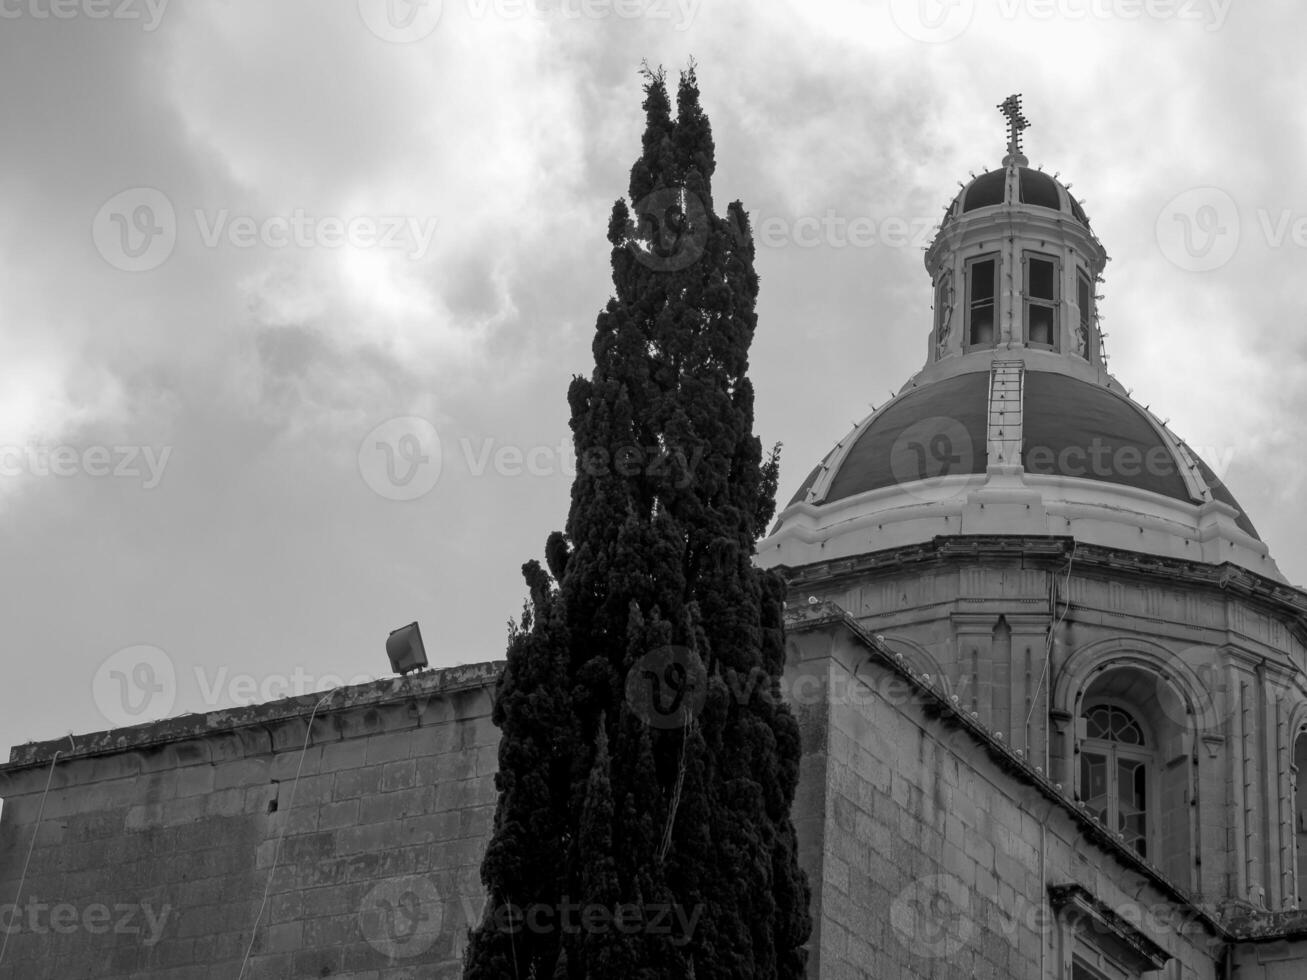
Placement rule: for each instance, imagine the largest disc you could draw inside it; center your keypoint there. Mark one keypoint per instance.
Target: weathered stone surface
(157, 844)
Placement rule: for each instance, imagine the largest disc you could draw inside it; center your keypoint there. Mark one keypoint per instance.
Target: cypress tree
(647, 763)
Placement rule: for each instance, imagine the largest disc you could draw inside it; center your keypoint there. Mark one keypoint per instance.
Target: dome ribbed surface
(1071, 428)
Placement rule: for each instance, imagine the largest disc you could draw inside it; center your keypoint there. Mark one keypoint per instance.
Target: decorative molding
(1075, 904)
(1283, 602)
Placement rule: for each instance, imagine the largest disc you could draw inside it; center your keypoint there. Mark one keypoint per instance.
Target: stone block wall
(1225, 661)
(938, 856)
(155, 844)
(175, 851)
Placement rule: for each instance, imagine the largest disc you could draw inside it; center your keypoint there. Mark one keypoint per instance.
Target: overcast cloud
(360, 212)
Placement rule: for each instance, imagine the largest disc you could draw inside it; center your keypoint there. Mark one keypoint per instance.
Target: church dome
(1014, 445)
(1016, 184)
(1014, 425)
(1071, 429)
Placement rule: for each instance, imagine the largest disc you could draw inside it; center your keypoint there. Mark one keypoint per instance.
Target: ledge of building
(1252, 925)
(1286, 602)
(438, 683)
(1132, 945)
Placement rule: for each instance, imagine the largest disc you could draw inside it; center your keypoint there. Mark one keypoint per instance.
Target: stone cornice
(245, 730)
(1076, 901)
(1285, 602)
(1256, 926)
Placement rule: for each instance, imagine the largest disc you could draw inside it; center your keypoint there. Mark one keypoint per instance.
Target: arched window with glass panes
(1115, 759)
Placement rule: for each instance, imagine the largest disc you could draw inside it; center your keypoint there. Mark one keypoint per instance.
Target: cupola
(1013, 425)
(1015, 264)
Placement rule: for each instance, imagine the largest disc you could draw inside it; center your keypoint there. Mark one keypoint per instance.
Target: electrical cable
(276, 851)
(30, 848)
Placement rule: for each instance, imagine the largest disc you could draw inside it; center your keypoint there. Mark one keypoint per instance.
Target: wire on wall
(4, 943)
(1048, 651)
(276, 851)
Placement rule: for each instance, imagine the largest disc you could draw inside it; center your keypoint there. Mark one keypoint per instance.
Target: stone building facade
(1049, 680)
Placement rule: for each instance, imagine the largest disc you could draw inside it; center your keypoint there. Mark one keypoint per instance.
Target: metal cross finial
(1016, 122)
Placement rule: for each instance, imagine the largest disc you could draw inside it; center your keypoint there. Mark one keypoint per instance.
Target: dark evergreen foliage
(647, 760)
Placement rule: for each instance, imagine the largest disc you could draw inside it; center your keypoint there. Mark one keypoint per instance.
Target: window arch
(1173, 708)
(1116, 767)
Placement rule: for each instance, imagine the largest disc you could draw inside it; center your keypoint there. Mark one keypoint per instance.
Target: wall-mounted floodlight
(405, 650)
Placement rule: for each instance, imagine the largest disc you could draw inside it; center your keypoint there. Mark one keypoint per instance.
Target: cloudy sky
(240, 239)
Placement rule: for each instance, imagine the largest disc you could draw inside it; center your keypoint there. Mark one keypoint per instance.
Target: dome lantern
(1015, 263)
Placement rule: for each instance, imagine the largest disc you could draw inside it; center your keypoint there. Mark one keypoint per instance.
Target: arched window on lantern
(1041, 299)
(982, 301)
